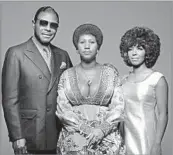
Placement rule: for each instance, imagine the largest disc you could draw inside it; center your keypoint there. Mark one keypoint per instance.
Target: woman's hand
(95, 137)
(156, 149)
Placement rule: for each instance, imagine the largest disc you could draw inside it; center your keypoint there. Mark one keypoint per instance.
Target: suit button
(22, 115)
(47, 109)
(40, 76)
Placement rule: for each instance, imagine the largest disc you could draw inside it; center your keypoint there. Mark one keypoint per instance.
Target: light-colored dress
(140, 114)
(77, 113)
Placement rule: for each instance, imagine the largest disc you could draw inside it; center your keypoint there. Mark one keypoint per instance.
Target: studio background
(114, 18)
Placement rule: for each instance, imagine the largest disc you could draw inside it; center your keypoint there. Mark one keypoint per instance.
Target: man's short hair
(45, 9)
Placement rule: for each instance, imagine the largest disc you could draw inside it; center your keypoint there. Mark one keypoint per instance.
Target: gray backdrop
(114, 18)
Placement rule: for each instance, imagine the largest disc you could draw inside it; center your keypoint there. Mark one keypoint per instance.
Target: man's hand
(19, 146)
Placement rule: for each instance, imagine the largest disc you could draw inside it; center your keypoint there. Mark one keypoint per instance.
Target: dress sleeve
(115, 112)
(64, 110)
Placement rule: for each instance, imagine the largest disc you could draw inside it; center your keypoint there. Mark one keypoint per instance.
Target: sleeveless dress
(140, 114)
(77, 113)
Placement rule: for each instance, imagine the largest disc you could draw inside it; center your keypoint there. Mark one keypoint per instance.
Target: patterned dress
(140, 114)
(79, 114)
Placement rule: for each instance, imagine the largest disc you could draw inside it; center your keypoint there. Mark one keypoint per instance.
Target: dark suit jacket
(29, 94)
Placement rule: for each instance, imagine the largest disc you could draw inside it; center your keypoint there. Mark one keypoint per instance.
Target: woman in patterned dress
(145, 93)
(90, 103)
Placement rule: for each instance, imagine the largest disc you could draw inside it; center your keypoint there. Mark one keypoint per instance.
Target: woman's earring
(77, 51)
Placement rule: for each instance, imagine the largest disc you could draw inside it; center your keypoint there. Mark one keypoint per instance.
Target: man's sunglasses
(44, 23)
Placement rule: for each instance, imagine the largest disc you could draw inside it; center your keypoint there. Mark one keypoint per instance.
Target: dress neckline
(138, 82)
(99, 84)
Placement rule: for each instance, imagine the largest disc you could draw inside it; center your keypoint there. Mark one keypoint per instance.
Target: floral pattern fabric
(79, 115)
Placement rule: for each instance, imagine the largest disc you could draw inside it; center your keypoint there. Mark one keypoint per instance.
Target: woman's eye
(92, 41)
(140, 48)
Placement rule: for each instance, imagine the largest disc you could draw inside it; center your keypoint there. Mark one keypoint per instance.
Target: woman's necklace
(87, 78)
(89, 81)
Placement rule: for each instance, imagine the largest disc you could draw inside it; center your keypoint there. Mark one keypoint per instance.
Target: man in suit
(30, 77)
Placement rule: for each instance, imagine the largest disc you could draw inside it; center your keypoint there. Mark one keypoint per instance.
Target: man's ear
(33, 23)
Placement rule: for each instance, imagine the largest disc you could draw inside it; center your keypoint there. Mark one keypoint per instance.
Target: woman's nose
(134, 52)
(87, 45)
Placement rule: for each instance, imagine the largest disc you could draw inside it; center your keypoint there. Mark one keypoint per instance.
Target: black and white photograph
(86, 77)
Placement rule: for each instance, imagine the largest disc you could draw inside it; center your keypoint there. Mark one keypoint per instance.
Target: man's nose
(48, 28)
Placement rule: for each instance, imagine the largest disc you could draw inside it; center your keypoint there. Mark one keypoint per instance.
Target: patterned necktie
(47, 58)
(46, 52)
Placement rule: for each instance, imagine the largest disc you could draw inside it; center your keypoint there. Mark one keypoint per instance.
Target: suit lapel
(55, 66)
(34, 55)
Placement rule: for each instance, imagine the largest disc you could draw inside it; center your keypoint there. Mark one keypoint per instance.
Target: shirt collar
(38, 45)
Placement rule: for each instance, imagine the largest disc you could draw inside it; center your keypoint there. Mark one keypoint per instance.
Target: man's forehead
(48, 15)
